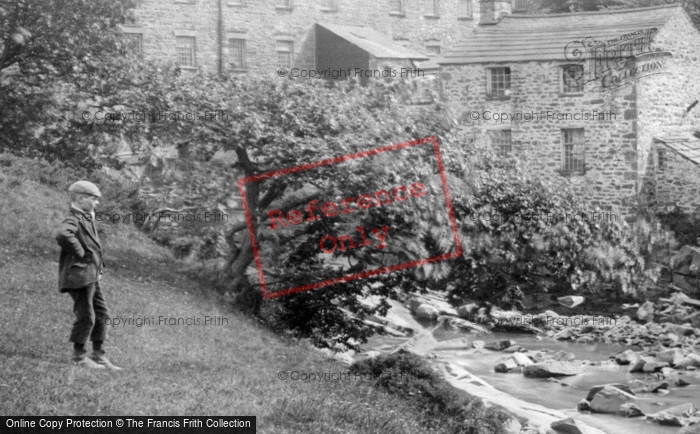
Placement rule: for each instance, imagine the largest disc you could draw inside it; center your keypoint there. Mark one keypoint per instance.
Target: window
(433, 50)
(330, 5)
(284, 3)
(133, 42)
(572, 79)
(285, 54)
(433, 7)
(396, 6)
(662, 159)
(519, 5)
(573, 158)
(237, 51)
(501, 142)
(185, 51)
(498, 82)
(465, 8)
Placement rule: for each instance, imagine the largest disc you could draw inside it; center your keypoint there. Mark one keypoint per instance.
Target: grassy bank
(229, 368)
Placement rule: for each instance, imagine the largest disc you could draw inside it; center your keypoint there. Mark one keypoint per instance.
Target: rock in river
(551, 368)
(609, 399)
(567, 426)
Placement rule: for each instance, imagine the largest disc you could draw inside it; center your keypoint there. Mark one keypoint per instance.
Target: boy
(79, 272)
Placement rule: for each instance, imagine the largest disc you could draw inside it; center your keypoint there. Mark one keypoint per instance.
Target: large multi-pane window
(574, 151)
(185, 51)
(285, 54)
(498, 82)
(134, 42)
(572, 79)
(396, 6)
(237, 52)
(465, 8)
(502, 143)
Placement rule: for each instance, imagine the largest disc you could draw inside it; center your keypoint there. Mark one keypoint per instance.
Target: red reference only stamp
(327, 243)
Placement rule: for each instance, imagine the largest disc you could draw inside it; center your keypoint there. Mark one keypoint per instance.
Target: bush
(684, 225)
(410, 376)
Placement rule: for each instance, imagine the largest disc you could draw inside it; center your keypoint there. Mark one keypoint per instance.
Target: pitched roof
(519, 38)
(375, 43)
(687, 147)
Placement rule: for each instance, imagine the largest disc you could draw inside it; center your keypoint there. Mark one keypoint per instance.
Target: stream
(561, 397)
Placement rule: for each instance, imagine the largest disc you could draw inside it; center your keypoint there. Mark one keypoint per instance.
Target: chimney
(491, 11)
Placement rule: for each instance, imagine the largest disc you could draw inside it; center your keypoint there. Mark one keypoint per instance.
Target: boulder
(664, 418)
(653, 366)
(551, 368)
(595, 389)
(563, 356)
(479, 344)
(646, 312)
(413, 303)
(426, 311)
(550, 314)
(568, 426)
(513, 349)
(505, 366)
(420, 345)
(680, 330)
(521, 359)
(655, 387)
(683, 410)
(680, 382)
(583, 405)
(499, 345)
(609, 399)
(626, 357)
(638, 365)
(467, 310)
(629, 410)
(566, 333)
(668, 356)
(571, 301)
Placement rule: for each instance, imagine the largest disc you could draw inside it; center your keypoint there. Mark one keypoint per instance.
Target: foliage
(57, 58)
(522, 234)
(684, 225)
(692, 7)
(408, 375)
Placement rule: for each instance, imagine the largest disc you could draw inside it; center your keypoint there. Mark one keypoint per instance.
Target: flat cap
(85, 187)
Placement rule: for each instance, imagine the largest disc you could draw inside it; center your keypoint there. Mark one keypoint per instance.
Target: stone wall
(620, 165)
(662, 102)
(261, 23)
(610, 156)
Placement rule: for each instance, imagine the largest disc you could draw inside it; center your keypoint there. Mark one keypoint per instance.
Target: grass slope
(230, 369)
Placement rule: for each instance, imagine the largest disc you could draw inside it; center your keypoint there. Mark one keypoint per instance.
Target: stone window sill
(432, 17)
(397, 14)
(284, 8)
(327, 10)
(571, 174)
(571, 94)
(185, 2)
(465, 18)
(497, 98)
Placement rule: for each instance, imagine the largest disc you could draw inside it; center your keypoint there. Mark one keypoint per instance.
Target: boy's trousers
(91, 313)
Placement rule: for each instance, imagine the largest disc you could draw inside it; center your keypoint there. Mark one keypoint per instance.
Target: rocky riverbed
(647, 380)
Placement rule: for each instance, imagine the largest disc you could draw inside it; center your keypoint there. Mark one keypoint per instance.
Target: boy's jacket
(81, 252)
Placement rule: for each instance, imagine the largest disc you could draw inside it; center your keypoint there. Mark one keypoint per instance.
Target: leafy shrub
(684, 225)
(410, 376)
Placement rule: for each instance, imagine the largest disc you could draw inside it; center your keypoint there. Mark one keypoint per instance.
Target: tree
(57, 56)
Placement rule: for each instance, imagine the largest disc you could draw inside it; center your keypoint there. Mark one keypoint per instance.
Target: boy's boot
(98, 357)
(80, 357)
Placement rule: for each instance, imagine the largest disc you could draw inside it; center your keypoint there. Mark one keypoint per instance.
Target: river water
(565, 397)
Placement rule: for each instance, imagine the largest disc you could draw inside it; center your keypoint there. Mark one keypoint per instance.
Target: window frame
(193, 56)
(502, 141)
(139, 36)
(434, 9)
(523, 5)
(569, 166)
(428, 48)
(401, 10)
(490, 71)
(564, 87)
(465, 13)
(244, 63)
(278, 42)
